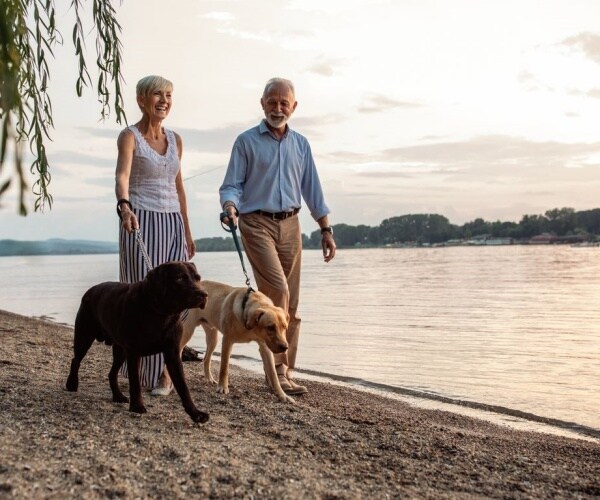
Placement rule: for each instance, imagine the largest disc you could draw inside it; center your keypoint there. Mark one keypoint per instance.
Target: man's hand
(231, 212)
(328, 245)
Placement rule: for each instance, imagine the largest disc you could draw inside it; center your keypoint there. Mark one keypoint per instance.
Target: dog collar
(244, 302)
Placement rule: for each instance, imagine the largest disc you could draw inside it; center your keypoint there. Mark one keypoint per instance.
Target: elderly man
(270, 171)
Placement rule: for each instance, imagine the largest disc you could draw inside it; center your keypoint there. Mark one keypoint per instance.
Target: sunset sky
(464, 108)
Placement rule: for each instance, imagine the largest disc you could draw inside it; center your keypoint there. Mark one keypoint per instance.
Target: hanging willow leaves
(28, 35)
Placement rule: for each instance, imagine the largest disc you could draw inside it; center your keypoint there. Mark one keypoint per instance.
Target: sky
(464, 108)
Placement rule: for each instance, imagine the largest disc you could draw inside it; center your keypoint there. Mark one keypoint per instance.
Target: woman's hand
(128, 219)
(191, 246)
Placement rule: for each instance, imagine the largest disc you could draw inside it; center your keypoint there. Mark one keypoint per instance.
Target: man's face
(278, 104)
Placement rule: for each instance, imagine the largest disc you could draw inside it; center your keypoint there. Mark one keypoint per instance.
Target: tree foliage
(429, 229)
(28, 37)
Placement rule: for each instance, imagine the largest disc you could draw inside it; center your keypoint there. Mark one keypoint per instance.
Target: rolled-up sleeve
(312, 191)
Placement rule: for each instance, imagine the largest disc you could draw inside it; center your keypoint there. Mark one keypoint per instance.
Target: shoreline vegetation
(335, 443)
(557, 226)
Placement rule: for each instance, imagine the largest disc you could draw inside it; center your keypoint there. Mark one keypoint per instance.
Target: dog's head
(177, 286)
(267, 322)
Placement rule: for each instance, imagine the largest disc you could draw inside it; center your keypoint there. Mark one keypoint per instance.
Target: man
(270, 171)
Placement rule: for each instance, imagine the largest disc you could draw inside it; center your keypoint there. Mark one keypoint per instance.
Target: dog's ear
(254, 318)
(157, 281)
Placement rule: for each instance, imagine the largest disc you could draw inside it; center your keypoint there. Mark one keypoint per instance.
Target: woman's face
(156, 104)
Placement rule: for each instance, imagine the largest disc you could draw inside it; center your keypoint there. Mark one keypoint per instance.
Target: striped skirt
(164, 237)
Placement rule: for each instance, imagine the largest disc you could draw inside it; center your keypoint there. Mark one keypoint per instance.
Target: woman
(151, 197)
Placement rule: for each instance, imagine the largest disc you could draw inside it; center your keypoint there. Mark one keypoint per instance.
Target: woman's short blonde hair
(151, 83)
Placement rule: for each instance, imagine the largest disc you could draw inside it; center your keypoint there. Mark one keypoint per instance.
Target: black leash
(232, 229)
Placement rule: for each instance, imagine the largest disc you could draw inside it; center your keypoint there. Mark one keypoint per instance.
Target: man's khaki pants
(274, 249)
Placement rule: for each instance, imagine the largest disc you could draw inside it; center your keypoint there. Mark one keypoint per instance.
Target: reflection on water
(516, 326)
(511, 326)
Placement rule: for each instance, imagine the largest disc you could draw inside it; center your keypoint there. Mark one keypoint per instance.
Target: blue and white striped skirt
(164, 237)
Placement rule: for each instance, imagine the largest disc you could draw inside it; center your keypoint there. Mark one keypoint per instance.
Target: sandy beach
(334, 443)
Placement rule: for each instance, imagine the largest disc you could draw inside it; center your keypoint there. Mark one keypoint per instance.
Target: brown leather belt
(278, 215)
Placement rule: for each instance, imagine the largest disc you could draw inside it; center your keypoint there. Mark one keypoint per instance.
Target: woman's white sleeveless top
(152, 178)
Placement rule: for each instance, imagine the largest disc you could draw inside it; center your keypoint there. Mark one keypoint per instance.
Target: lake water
(514, 329)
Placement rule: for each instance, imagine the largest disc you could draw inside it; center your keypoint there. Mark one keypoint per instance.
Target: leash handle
(140, 241)
(232, 229)
(224, 215)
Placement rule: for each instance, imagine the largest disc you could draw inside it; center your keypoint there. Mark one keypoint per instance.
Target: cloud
(494, 177)
(216, 140)
(431, 138)
(530, 82)
(219, 16)
(327, 67)
(109, 133)
(321, 120)
(379, 103)
(588, 43)
(490, 159)
(322, 68)
(492, 149)
(595, 93)
(261, 36)
(59, 159)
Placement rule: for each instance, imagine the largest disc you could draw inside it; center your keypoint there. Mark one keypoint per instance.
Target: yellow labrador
(242, 316)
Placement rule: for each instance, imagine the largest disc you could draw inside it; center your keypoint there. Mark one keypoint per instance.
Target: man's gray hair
(274, 82)
(151, 83)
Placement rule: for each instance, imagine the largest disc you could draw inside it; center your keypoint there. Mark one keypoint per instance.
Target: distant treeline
(56, 247)
(414, 229)
(434, 228)
(423, 229)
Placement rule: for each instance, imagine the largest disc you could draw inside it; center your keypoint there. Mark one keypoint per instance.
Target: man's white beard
(277, 121)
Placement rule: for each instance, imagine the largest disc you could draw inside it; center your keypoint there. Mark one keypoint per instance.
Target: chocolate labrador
(140, 319)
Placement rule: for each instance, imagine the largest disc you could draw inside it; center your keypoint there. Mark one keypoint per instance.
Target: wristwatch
(327, 229)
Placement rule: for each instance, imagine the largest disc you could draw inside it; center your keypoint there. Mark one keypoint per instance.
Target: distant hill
(56, 246)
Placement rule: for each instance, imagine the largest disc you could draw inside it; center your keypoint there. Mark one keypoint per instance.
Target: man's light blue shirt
(273, 175)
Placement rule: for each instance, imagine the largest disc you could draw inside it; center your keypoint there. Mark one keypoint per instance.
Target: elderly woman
(151, 198)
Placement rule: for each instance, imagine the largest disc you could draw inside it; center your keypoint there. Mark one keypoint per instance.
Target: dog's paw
(199, 417)
(71, 387)
(138, 408)
(209, 377)
(72, 384)
(223, 389)
(284, 398)
(120, 398)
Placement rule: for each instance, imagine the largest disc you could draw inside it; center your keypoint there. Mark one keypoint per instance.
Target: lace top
(152, 178)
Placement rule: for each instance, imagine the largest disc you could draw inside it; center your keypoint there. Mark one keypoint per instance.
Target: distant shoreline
(16, 248)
